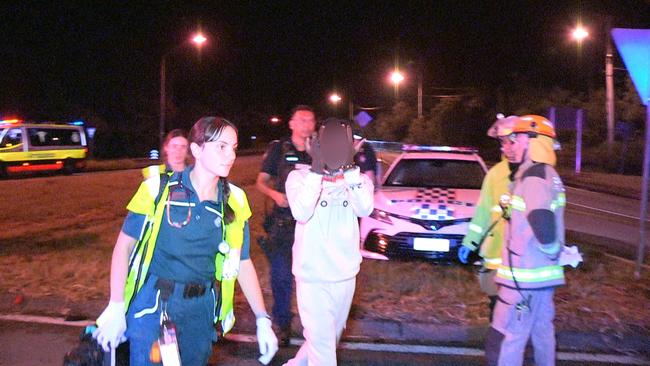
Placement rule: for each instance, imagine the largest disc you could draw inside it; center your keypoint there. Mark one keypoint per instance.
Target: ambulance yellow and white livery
(28, 147)
(424, 204)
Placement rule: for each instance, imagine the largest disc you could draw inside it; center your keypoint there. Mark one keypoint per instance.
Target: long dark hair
(208, 129)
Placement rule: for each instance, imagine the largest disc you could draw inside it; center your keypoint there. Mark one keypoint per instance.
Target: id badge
(168, 344)
(169, 354)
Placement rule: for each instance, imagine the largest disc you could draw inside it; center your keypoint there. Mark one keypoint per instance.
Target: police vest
(290, 157)
(226, 265)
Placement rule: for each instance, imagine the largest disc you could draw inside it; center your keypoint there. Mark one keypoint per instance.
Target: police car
(424, 204)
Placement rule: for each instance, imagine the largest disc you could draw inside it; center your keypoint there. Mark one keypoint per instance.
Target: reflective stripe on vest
(475, 228)
(559, 201)
(531, 275)
(235, 238)
(493, 261)
(518, 203)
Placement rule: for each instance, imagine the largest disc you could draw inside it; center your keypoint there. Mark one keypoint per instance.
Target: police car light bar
(10, 121)
(426, 148)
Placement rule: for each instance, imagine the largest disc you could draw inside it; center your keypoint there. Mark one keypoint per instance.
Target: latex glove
(463, 254)
(314, 151)
(570, 256)
(266, 339)
(111, 326)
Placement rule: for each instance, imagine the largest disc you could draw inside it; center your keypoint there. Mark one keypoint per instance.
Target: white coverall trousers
(324, 309)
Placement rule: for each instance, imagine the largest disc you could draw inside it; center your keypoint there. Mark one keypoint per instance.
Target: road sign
(634, 47)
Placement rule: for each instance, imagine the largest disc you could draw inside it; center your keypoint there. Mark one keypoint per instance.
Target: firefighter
(485, 232)
(534, 238)
(280, 159)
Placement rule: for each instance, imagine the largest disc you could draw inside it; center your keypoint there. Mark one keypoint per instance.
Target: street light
(579, 33)
(198, 40)
(396, 77)
(335, 98)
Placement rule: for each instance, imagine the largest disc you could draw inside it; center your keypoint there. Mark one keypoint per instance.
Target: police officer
(534, 239)
(280, 159)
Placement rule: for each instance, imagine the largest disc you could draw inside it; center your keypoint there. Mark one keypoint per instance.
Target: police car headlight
(382, 216)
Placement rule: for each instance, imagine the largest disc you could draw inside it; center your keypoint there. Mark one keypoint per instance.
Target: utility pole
(420, 96)
(609, 89)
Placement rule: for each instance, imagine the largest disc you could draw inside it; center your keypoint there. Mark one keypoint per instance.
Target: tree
(394, 125)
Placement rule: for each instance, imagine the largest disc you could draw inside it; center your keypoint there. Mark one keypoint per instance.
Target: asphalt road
(612, 218)
(26, 344)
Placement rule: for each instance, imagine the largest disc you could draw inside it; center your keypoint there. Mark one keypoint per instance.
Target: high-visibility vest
(487, 212)
(226, 265)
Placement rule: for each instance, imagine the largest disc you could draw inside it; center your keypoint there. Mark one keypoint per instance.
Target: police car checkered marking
(435, 203)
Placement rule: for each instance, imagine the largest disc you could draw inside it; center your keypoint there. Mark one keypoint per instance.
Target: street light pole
(420, 97)
(163, 101)
(609, 91)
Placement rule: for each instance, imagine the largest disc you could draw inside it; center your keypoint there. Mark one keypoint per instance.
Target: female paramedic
(174, 268)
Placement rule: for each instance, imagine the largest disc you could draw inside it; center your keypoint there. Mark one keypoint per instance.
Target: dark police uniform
(279, 160)
(366, 159)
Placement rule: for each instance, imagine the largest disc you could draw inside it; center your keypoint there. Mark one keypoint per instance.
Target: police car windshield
(442, 173)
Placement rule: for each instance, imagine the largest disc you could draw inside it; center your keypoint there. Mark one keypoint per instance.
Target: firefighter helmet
(534, 125)
(503, 126)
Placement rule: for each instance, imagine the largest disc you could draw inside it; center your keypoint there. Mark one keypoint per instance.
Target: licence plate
(431, 244)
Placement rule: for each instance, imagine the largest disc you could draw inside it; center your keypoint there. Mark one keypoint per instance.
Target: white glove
(570, 256)
(111, 326)
(266, 339)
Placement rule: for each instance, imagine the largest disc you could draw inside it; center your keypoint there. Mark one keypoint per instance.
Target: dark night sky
(57, 58)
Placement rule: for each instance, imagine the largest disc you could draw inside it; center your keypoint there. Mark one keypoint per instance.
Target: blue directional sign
(363, 119)
(634, 47)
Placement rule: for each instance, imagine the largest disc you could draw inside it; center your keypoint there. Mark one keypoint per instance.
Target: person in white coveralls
(326, 202)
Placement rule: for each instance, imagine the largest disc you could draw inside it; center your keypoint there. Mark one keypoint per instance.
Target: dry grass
(58, 234)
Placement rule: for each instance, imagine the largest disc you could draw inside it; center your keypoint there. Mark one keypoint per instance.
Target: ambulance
(48, 146)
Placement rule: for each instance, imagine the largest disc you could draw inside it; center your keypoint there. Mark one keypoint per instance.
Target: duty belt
(190, 289)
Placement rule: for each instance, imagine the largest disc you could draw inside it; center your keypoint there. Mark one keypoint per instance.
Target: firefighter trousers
(515, 322)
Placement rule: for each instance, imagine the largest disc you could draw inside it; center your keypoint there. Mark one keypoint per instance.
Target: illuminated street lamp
(198, 40)
(335, 98)
(579, 33)
(274, 120)
(396, 77)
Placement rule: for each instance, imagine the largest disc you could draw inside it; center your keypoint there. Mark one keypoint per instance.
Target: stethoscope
(223, 247)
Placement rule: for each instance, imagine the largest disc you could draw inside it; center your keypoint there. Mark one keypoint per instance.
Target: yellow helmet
(503, 126)
(534, 125)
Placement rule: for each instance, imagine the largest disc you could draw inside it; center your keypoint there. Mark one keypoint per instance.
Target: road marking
(45, 320)
(455, 351)
(365, 346)
(605, 211)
